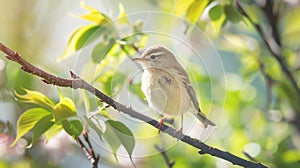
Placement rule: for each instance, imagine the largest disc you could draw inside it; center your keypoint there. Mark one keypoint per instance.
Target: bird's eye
(153, 57)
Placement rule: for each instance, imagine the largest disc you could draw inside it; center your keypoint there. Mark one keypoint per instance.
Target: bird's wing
(189, 87)
(192, 94)
(186, 82)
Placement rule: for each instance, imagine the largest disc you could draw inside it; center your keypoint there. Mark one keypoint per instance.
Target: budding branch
(77, 83)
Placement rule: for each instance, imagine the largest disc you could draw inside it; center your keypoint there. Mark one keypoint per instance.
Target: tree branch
(76, 83)
(275, 50)
(89, 151)
(165, 156)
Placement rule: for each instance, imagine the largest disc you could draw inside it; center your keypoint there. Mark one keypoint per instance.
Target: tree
(261, 108)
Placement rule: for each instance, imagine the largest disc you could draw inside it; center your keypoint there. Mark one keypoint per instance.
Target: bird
(166, 85)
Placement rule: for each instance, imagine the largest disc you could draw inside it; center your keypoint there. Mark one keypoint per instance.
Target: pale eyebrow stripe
(155, 53)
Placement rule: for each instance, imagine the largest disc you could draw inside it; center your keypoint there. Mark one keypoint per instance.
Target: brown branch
(89, 151)
(272, 16)
(94, 159)
(76, 83)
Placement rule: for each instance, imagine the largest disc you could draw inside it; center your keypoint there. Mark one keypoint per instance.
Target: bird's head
(156, 57)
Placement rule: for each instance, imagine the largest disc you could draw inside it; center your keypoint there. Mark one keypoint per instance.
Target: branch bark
(77, 83)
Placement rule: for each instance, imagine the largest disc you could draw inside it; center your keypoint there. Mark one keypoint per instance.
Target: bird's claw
(160, 124)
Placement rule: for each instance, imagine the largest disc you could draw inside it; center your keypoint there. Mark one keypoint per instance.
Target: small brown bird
(166, 85)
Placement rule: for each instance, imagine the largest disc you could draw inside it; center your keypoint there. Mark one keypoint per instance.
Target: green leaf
(130, 43)
(138, 26)
(52, 131)
(286, 90)
(254, 12)
(87, 35)
(232, 14)
(101, 49)
(217, 17)
(35, 98)
(112, 82)
(216, 12)
(64, 109)
(28, 121)
(135, 88)
(195, 10)
(97, 128)
(250, 65)
(80, 38)
(290, 28)
(104, 113)
(117, 133)
(41, 127)
(112, 139)
(72, 127)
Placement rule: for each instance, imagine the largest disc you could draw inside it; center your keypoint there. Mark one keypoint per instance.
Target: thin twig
(94, 158)
(89, 151)
(76, 83)
(165, 156)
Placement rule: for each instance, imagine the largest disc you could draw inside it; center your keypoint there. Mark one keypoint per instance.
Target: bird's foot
(161, 124)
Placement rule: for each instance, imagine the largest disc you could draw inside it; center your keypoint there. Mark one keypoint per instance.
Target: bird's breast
(164, 92)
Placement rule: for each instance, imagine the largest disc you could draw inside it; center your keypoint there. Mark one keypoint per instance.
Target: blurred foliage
(40, 120)
(261, 113)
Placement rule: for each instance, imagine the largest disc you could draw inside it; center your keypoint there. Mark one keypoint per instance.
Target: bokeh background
(253, 103)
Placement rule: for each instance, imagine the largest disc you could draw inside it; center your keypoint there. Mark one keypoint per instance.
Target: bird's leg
(181, 127)
(161, 123)
(169, 120)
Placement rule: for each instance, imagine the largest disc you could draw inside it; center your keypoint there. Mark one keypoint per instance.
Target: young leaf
(217, 17)
(80, 38)
(112, 82)
(52, 131)
(195, 10)
(232, 14)
(101, 49)
(28, 121)
(35, 98)
(181, 6)
(96, 128)
(122, 18)
(41, 127)
(112, 139)
(130, 43)
(216, 12)
(64, 109)
(72, 127)
(123, 134)
(94, 15)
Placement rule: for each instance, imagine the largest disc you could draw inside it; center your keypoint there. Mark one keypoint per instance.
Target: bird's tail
(204, 120)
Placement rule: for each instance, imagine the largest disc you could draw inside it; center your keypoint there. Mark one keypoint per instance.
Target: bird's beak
(137, 59)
